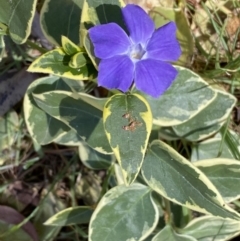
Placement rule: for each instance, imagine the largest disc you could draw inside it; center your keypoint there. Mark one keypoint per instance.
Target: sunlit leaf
(224, 174)
(42, 127)
(95, 13)
(209, 120)
(59, 18)
(169, 234)
(69, 47)
(18, 16)
(57, 62)
(70, 216)
(210, 148)
(77, 114)
(93, 159)
(175, 178)
(124, 213)
(210, 228)
(186, 97)
(128, 123)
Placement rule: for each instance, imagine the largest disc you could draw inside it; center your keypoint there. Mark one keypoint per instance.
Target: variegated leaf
(77, 114)
(128, 122)
(168, 234)
(186, 97)
(93, 159)
(224, 174)
(209, 228)
(211, 148)
(57, 62)
(71, 216)
(9, 131)
(209, 120)
(124, 213)
(175, 178)
(79, 60)
(69, 47)
(18, 16)
(59, 18)
(42, 127)
(94, 13)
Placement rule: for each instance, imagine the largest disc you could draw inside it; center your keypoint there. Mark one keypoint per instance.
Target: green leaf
(18, 16)
(98, 103)
(57, 62)
(162, 15)
(79, 60)
(128, 123)
(71, 216)
(118, 174)
(93, 159)
(186, 97)
(83, 118)
(210, 149)
(41, 126)
(175, 178)
(79, 57)
(75, 86)
(69, 47)
(85, 39)
(9, 125)
(209, 120)
(68, 138)
(59, 18)
(224, 174)
(212, 228)
(94, 13)
(167, 133)
(169, 234)
(124, 213)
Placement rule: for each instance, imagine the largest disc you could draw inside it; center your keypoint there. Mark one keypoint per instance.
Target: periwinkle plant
(141, 56)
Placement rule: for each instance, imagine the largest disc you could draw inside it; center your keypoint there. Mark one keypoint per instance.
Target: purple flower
(140, 56)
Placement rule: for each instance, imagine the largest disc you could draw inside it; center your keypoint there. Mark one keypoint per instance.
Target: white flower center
(136, 52)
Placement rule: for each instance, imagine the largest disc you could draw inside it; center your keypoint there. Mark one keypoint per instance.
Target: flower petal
(139, 24)
(164, 45)
(109, 40)
(116, 73)
(153, 77)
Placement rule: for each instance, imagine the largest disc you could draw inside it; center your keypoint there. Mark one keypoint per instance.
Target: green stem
(168, 213)
(35, 46)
